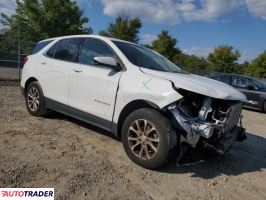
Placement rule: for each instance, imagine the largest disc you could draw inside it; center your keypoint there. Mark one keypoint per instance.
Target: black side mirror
(251, 87)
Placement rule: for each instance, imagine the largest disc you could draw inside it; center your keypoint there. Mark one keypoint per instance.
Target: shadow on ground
(97, 130)
(244, 157)
(9, 82)
(253, 110)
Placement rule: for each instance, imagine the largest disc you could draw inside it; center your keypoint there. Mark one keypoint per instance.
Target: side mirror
(108, 62)
(251, 87)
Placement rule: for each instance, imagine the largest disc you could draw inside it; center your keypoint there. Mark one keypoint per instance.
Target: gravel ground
(83, 162)
(8, 73)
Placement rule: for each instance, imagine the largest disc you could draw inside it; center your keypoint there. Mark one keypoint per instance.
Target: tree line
(36, 20)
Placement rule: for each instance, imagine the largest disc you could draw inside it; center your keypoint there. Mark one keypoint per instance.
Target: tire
(35, 99)
(158, 132)
(264, 107)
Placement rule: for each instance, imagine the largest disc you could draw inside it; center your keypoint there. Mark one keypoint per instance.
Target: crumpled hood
(200, 85)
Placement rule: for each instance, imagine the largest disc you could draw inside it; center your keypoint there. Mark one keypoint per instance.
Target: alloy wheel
(143, 139)
(33, 99)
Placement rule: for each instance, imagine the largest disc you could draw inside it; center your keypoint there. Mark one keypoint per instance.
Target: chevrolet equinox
(132, 91)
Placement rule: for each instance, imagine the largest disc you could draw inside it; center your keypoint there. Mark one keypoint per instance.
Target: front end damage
(206, 122)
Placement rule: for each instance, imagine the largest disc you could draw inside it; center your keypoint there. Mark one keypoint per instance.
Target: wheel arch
(131, 107)
(27, 83)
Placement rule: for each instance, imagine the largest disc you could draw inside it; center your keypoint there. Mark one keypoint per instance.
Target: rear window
(67, 49)
(40, 45)
(52, 50)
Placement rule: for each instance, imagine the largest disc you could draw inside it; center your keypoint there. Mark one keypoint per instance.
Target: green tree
(241, 68)
(258, 66)
(8, 39)
(165, 45)
(224, 58)
(124, 28)
(40, 19)
(191, 63)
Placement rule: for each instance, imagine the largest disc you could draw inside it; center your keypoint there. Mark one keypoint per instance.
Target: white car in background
(133, 92)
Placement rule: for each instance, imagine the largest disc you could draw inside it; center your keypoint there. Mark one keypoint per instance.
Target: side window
(240, 82)
(67, 49)
(51, 51)
(225, 79)
(217, 78)
(92, 48)
(39, 46)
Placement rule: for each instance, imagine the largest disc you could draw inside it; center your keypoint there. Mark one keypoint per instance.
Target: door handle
(43, 62)
(77, 70)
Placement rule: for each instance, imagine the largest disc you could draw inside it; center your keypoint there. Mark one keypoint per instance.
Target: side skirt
(80, 115)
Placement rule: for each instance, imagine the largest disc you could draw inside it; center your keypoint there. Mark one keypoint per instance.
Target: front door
(92, 87)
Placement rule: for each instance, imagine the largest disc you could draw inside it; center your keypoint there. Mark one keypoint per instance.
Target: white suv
(133, 92)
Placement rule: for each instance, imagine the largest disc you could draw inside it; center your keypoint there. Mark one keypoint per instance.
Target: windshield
(146, 58)
(258, 83)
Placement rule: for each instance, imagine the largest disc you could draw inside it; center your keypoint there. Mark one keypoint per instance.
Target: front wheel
(148, 138)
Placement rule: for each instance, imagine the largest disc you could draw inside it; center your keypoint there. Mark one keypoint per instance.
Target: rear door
(56, 65)
(92, 87)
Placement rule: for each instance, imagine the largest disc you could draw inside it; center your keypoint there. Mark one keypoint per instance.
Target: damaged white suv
(133, 92)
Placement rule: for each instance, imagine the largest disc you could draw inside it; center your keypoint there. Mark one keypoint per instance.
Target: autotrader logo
(26, 193)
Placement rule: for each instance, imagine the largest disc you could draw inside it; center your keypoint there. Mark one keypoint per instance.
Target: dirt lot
(83, 162)
(7, 73)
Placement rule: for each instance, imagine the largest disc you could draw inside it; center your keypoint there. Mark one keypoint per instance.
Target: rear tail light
(25, 60)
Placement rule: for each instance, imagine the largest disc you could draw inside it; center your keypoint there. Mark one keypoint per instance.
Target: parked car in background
(254, 89)
(133, 92)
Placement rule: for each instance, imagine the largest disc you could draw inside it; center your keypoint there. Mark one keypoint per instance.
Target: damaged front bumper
(193, 127)
(197, 131)
(227, 140)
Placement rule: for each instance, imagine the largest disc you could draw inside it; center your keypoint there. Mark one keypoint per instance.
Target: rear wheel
(264, 107)
(35, 99)
(146, 137)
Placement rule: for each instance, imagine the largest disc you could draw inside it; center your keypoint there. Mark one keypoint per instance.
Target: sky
(198, 25)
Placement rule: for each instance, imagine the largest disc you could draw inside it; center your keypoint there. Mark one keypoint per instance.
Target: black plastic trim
(81, 115)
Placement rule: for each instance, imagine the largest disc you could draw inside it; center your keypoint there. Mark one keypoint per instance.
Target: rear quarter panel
(29, 70)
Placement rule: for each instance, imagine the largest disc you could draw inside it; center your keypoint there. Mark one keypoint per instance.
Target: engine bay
(203, 119)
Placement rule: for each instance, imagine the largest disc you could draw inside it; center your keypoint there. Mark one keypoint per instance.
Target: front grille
(232, 121)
